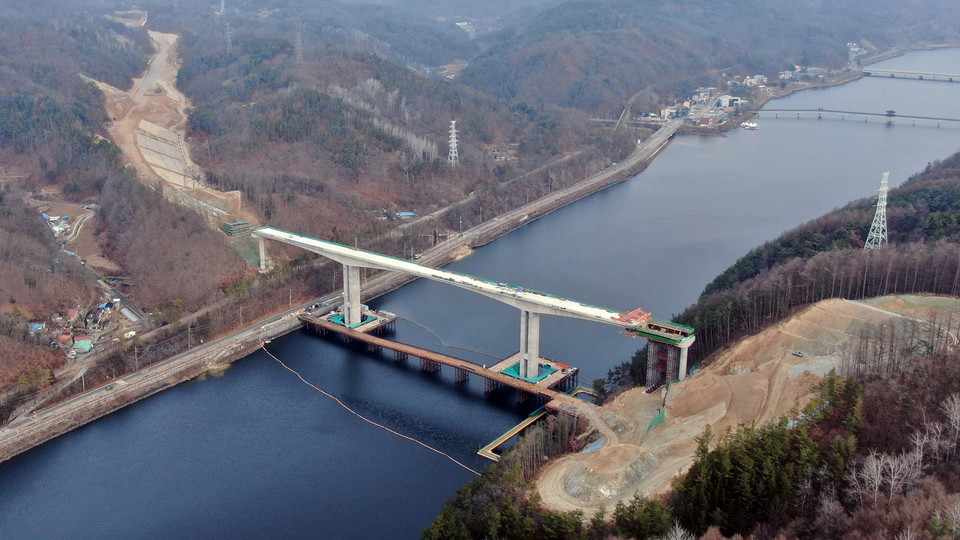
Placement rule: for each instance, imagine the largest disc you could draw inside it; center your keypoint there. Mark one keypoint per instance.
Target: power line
(445, 344)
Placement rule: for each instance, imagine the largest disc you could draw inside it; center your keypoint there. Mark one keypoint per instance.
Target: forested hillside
(594, 54)
(52, 140)
(349, 134)
(49, 122)
(319, 118)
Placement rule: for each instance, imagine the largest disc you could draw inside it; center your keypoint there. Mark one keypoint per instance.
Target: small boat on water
(750, 125)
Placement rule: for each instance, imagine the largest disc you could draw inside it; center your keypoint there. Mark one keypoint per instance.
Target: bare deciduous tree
(951, 410)
(678, 533)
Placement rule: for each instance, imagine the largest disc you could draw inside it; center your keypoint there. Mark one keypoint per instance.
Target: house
(83, 345)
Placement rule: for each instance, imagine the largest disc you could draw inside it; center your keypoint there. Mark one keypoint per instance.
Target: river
(256, 453)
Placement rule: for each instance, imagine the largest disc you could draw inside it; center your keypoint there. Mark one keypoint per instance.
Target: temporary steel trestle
(430, 361)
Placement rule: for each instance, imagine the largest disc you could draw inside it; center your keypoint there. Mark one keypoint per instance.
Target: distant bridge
(919, 75)
(844, 114)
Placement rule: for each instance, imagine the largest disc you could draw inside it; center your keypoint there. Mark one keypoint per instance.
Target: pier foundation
(429, 367)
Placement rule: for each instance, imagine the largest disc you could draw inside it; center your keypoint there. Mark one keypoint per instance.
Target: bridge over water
(906, 74)
(671, 340)
(820, 112)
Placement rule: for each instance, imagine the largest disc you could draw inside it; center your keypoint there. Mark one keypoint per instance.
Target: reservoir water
(256, 453)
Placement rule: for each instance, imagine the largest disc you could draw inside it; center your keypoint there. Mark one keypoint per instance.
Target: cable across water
(444, 343)
(358, 415)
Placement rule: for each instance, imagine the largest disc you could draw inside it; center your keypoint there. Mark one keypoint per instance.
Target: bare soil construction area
(148, 124)
(757, 380)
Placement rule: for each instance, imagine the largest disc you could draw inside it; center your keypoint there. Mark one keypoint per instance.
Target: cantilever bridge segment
(531, 303)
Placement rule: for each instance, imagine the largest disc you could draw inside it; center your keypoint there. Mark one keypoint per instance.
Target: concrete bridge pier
(263, 253)
(683, 346)
(529, 344)
(352, 309)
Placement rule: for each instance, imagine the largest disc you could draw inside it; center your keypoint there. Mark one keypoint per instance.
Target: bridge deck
(868, 71)
(517, 296)
(538, 390)
(821, 111)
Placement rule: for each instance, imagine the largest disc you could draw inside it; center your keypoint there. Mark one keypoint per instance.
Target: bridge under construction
(532, 304)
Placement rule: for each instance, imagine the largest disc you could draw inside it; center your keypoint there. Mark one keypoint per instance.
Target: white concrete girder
(532, 307)
(519, 297)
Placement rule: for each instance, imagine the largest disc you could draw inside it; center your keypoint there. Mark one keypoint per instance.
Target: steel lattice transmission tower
(453, 158)
(300, 45)
(228, 33)
(878, 231)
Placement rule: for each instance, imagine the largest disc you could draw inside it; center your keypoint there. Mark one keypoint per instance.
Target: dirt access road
(755, 381)
(148, 125)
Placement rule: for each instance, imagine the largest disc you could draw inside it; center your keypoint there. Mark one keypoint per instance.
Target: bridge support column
(529, 344)
(263, 253)
(352, 310)
(683, 357)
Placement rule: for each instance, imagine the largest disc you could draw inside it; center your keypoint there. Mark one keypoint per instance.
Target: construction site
(648, 438)
(148, 124)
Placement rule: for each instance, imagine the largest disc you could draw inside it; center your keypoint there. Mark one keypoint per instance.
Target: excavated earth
(756, 380)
